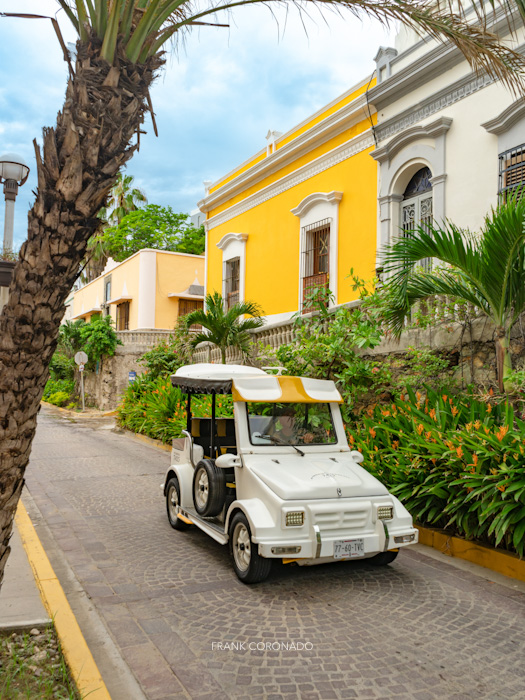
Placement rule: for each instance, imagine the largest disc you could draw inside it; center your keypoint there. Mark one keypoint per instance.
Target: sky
(220, 93)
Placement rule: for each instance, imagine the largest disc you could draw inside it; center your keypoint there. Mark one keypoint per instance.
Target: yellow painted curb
(76, 652)
(505, 563)
(83, 414)
(150, 441)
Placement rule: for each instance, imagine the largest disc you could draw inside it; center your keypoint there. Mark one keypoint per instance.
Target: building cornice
(504, 121)
(328, 128)
(432, 130)
(327, 160)
(313, 199)
(424, 69)
(462, 88)
(229, 238)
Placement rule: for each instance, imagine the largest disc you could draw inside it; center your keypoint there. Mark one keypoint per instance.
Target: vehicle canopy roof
(252, 384)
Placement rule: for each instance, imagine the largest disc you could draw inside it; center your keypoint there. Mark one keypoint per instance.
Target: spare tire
(209, 488)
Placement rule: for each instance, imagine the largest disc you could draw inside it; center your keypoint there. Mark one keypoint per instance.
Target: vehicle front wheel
(249, 566)
(172, 502)
(383, 558)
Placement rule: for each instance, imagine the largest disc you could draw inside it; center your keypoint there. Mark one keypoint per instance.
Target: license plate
(346, 549)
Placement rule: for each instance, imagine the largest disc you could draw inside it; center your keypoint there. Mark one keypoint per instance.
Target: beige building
(149, 290)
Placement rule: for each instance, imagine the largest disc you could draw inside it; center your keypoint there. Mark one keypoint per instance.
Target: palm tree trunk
(103, 109)
(503, 359)
(223, 354)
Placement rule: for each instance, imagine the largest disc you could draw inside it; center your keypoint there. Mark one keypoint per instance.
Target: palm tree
(123, 199)
(225, 327)
(119, 53)
(486, 270)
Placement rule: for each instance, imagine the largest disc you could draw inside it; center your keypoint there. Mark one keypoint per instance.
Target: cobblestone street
(419, 629)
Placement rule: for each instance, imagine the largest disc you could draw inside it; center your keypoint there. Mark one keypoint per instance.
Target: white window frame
(233, 245)
(319, 206)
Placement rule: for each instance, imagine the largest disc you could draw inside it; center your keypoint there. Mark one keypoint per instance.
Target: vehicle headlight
(385, 512)
(295, 518)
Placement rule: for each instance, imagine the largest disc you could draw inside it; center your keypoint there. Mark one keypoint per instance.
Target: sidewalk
(20, 603)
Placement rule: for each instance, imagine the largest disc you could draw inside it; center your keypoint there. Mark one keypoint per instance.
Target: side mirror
(228, 461)
(357, 456)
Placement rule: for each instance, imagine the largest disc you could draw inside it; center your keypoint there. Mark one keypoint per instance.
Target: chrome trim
(319, 541)
(188, 435)
(387, 536)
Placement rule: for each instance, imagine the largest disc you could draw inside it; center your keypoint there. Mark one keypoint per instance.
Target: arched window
(416, 207)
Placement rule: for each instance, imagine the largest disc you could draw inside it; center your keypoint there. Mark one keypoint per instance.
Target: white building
(448, 140)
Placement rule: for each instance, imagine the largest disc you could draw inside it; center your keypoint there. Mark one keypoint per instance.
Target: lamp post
(13, 173)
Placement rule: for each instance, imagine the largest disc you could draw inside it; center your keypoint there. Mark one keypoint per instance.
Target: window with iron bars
(123, 316)
(511, 171)
(315, 261)
(232, 282)
(417, 208)
(187, 306)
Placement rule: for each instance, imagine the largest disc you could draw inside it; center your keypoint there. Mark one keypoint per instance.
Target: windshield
(290, 423)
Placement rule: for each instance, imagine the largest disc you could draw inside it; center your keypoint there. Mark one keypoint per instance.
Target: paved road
(419, 629)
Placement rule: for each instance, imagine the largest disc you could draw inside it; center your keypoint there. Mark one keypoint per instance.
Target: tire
(172, 501)
(383, 559)
(249, 566)
(209, 488)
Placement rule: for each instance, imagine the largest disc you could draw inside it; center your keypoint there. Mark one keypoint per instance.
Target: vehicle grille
(343, 522)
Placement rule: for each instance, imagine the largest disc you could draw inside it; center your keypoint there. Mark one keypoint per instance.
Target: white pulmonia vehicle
(278, 481)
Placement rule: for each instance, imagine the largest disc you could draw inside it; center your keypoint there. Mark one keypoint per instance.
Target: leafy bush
(157, 409)
(99, 339)
(62, 366)
(59, 398)
(456, 463)
(165, 358)
(58, 385)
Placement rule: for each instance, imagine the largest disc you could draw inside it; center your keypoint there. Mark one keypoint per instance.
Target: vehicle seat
(224, 439)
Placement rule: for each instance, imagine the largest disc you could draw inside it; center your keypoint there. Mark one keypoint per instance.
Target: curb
(80, 414)
(83, 668)
(149, 441)
(502, 562)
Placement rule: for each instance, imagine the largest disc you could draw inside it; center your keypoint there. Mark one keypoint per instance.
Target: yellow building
(299, 214)
(149, 290)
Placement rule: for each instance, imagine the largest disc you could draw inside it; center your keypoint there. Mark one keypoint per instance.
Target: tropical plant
(165, 358)
(99, 339)
(151, 227)
(70, 337)
(225, 328)
(455, 462)
(119, 53)
(486, 270)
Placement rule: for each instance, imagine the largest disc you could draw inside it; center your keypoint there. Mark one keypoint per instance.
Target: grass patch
(32, 666)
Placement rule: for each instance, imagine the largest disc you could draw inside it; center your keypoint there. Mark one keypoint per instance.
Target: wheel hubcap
(202, 487)
(241, 546)
(173, 502)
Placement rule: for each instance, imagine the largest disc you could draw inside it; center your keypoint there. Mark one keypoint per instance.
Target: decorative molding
(327, 160)
(229, 238)
(504, 121)
(425, 68)
(434, 103)
(328, 128)
(316, 198)
(433, 130)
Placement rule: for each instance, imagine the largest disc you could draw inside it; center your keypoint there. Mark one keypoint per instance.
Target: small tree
(225, 327)
(99, 339)
(152, 227)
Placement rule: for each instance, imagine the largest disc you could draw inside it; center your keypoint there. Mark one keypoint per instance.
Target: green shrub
(165, 358)
(456, 463)
(99, 339)
(58, 385)
(157, 409)
(62, 366)
(59, 398)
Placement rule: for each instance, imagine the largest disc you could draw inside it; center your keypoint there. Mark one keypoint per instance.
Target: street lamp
(13, 173)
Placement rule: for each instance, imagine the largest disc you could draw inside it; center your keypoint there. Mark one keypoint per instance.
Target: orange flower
(444, 397)
(477, 424)
(459, 452)
(491, 391)
(420, 429)
(502, 432)
(375, 370)
(487, 431)
(469, 489)
(494, 472)
(489, 408)
(351, 439)
(428, 435)
(385, 413)
(375, 448)
(432, 413)
(395, 444)
(372, 432)
(454, 411)
(501, 488)
(434, 460)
